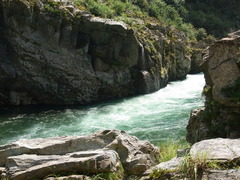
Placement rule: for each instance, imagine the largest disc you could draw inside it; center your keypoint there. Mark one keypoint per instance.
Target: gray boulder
(222, 150)
(28, 167)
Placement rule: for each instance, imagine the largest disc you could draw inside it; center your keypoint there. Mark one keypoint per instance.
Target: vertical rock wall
(220, 116)
(53, 53)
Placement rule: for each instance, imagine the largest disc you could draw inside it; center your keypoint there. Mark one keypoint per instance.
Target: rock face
(102, 152)
(53, 53)
(220, 117)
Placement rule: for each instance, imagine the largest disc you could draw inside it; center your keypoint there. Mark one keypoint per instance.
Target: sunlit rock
(221, 68)
(112, 148)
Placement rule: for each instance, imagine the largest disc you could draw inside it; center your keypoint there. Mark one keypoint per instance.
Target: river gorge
(155, 117)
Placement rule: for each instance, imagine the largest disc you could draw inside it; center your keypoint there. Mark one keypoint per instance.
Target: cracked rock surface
(102, 152)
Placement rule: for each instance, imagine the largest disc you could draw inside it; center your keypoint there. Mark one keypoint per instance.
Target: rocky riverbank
(113, 154)
(220, 116)
(103, 152)
(53, 53)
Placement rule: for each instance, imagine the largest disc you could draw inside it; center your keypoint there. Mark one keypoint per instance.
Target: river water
(155, 117)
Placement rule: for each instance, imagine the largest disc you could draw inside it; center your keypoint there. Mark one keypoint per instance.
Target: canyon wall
(53, 53)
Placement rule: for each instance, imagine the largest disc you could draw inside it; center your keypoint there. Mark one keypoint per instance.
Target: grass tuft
(168, 149)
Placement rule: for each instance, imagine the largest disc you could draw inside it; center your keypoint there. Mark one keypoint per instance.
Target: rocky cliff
(53, 53)
(220, 116)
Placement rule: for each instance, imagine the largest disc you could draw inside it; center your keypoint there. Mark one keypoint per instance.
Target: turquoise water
(155, 117)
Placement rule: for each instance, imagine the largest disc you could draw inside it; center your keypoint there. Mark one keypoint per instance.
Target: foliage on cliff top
(131, 11)
(218, 17)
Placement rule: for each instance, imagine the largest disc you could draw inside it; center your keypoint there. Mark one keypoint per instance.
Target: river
(155, 117)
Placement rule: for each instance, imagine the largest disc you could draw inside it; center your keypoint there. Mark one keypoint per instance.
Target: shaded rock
(197, 128)
(182, 152)
(28, 167)
(231, 174)
(196, 61)
(136, 156)
(222, 150)
(66, 56)
(2, 172)
(72, 177)
(197, 56)
(221, 68)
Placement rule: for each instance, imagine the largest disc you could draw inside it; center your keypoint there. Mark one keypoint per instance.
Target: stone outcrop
(225, 152)
(102, 152)
(53, 53)
(220, 116)
(32, 166)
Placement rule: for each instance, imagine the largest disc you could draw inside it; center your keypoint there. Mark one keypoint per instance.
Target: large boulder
(221, 69)
(220, 117)
(106, 151)
(219, 149)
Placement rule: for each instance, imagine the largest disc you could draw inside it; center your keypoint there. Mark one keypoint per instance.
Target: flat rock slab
(218, 149)
(28, 167)
(136, 156)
